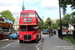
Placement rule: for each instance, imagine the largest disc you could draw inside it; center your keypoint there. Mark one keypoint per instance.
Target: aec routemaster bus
(29, 26)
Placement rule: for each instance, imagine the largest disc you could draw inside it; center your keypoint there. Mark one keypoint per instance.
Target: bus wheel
(20, 41)
(9, 38)
(40, 36)
(36, 39)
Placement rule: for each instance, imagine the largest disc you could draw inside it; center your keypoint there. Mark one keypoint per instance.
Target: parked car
(17, 34)
(13, 36)
(64, 30)
(45, 31)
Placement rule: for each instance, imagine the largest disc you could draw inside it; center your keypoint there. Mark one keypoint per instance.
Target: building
(54, 20)
(16, 24)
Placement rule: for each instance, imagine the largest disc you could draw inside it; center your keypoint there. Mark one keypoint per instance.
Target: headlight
(24, 18)
(34, 36)
(20, 36)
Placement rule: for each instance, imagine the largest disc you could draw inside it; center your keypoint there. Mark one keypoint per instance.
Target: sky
(45, 8)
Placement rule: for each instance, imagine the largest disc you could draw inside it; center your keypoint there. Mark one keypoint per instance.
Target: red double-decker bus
(29, 26)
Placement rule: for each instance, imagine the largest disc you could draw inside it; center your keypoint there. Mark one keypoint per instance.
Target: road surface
(15, 45)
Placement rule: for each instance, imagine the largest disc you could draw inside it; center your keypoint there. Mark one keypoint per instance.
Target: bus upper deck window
(24, 15)
(31, 14)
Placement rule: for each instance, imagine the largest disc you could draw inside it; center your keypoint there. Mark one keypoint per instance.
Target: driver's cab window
(32, 28)
(23, 28)
(35, 28)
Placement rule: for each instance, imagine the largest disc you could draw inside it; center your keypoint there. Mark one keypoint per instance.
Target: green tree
(47, 22)
(66, 20)
(7, 14)
(64, 3)
(73, 14)
(58, 22)
(42, 24)
(54, 25)
(73, 22)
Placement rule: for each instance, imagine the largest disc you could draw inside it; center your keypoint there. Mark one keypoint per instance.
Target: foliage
(73, 14)
(73, 22)
(58, 22)
(47, 22)
(64, 3)
(66, 20)
(14, 30)
(42, 24)
(7, 14)
(54, 26)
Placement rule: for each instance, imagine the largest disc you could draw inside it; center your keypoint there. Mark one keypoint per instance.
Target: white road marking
(8, 45)
(5, 46)
(38, 45)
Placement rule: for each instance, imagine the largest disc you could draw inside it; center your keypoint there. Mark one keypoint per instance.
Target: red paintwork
(64, 30)
(32, 33)
(34, 21)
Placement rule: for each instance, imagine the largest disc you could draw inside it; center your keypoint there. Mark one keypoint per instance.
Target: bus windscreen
(23, 28)
(32, 28)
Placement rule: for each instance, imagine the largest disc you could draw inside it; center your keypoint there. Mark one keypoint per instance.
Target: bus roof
(28, 11)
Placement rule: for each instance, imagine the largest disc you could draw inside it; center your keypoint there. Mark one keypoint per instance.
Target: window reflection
(24, 15)
(31, 14)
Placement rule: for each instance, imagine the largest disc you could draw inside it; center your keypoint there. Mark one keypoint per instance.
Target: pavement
(55, 43)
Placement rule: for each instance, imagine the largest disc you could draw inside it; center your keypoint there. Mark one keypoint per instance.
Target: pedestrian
(49, 31)
(67, 31)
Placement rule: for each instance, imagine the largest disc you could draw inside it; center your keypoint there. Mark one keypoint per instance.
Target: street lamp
(60, 15)
(60, 31)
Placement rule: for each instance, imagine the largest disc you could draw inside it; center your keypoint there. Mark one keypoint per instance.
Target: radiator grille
(27, 37)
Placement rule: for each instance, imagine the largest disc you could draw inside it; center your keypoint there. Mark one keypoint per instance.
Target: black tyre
(9, 38)
(40, 36)
(20, 41)
(36, 39)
